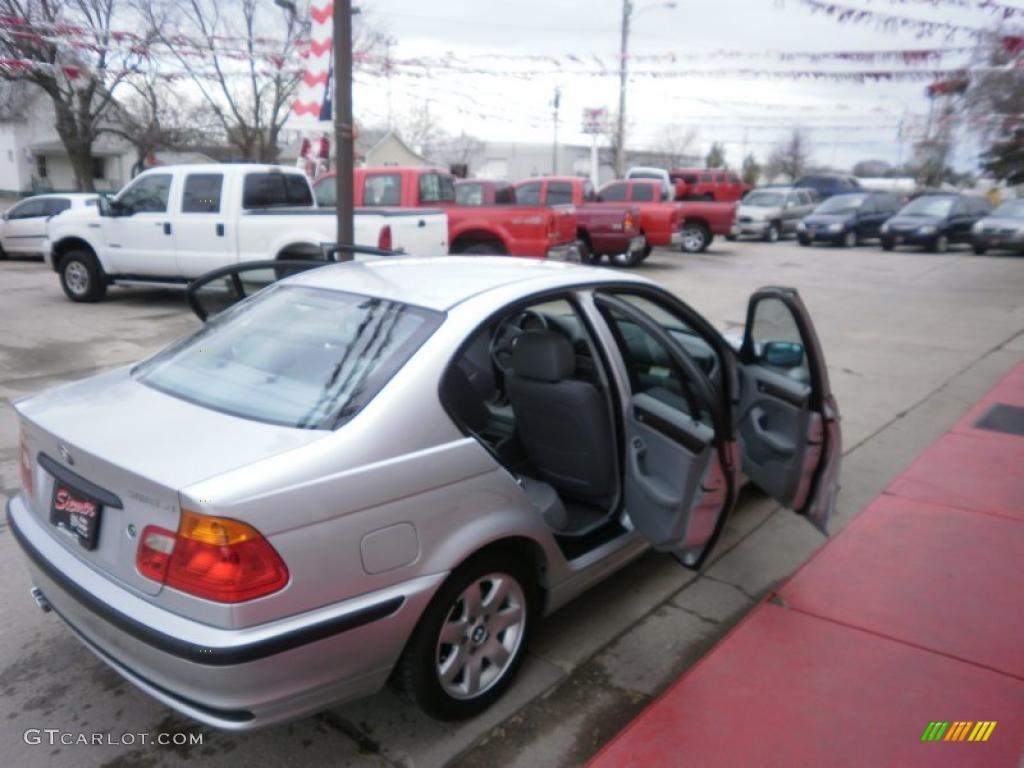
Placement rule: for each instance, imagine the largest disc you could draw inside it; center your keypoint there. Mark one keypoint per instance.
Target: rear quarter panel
(718, 216)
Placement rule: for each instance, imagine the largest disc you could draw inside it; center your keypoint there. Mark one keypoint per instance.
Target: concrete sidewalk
(913, 615)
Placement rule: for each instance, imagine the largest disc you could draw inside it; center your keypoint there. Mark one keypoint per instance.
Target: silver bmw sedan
(391, 470)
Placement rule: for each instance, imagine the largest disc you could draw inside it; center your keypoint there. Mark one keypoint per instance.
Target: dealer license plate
(76, 514)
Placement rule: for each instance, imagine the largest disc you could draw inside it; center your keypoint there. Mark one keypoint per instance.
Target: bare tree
(461, 149)
(244, 61)
(790, 158)
(672, 145)
(151, 117)
(68, 49)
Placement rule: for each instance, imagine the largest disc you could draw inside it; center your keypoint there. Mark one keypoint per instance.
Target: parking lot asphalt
(911, 339)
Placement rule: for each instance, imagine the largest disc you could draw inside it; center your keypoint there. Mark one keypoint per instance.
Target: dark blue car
(848, 219)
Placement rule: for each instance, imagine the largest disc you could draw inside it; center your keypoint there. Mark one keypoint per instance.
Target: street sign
(594, 120)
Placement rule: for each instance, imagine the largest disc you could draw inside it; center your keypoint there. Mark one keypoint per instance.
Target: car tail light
(552, 226)
(627, 222)
(212, 557)
(384, 238)
(25, 465)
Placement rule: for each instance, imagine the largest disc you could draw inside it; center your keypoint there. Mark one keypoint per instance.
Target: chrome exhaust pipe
(41, 601)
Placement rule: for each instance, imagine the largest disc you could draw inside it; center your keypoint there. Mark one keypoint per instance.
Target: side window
(470, 194)
(614, 193)
(505, 195)
(202, 193)
(57, 205)
(559, 193)
(705, 177)
(26, 210)
(777, 341)
(643, 193)
(720, 178)
(733, 178)
(870, 205)
(435, 188)
(528, 194)
(326, 193)
(651, 368)
(959, 208)
(147, 195)
(382, 189)
(268, 190)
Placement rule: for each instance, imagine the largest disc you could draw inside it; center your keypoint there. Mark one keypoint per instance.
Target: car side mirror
(782, 354)
(103, 205)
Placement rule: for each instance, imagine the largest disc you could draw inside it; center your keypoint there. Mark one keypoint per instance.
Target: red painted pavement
(914, 613)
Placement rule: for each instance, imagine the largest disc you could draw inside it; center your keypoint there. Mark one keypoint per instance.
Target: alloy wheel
(693, 239)
(481, 635)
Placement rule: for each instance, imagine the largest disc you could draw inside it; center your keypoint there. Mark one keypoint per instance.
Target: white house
(32, 157)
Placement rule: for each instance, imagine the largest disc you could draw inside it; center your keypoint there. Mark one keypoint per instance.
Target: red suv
(705, 184)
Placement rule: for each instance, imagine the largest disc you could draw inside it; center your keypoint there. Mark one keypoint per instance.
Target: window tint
(469, 194)
(325, 191)
(614, 192)
(505, 195)
(55, 205)
(720, 178)
(436, 188)
(690, 178)
(559, 193)
(202, 193)
(706, 177)
(651, 368)
(528, 194)
(274, 189)
(291, 355)
(733, 178)
(148, 194)
(382, 189)
(27, 210)
(643, 193)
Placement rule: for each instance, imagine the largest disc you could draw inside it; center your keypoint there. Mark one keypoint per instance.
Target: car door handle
(422, 223)
(758, 417)
(220, 230)
(167, 227)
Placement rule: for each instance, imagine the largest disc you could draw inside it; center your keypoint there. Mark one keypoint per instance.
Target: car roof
(441, 282)
(68, 195)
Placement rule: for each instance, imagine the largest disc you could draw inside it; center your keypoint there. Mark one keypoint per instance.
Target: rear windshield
(271, 190)
(842, 204)
(764, 199)
(293, 355)
(929, 206)
(1014, 209)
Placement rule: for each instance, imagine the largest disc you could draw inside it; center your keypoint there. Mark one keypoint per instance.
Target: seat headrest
(544, 356)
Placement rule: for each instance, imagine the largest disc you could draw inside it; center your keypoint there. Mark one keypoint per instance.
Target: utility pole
(343, 122)
(554, 147)
(620, 133)
(389, 70)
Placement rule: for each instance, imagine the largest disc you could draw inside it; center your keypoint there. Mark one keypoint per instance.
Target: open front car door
(786, 418)
(678, 463)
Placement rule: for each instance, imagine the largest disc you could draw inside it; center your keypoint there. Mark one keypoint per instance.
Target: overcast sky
(854, 121)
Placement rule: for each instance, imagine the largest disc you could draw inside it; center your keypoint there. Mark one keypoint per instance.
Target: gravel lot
(911, 340)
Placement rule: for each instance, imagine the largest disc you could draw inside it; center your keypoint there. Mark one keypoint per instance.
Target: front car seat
(563, 423)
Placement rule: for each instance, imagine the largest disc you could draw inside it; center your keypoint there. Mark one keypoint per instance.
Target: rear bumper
(565, 252)
(997, 241)
(911, 238)
(234, 679)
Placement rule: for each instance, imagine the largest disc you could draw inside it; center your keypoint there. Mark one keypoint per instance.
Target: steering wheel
(503, 342)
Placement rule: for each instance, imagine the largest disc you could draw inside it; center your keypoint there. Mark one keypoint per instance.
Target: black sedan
(847, 220)
(934, 222)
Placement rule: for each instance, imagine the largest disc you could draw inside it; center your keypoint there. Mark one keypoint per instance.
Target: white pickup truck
(174, 223)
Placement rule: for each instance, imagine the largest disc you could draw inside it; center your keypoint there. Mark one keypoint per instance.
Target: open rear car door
(785, 416)
(678, 464)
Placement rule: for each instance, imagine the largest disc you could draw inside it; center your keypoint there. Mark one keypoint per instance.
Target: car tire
(81, 276)
(980, 250)
(940, 244)
(3, 254)
(850, 239)
(773, 233)
(804, 241)
(887, 245)
(449, 657)
(731, 238)
(481, 249)
(586, 255)
(695, 237)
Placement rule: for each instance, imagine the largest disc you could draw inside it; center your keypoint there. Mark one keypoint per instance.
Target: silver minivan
(772, 212)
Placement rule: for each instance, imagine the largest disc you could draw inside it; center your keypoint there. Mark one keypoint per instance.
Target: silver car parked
(391, 470)
(772, 212)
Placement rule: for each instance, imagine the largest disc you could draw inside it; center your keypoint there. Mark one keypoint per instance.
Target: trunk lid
(110, 433)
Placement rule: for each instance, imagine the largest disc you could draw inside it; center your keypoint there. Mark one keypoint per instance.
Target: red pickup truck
(691, 225)
(511, 230)
(602, 230)
(705, 184)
